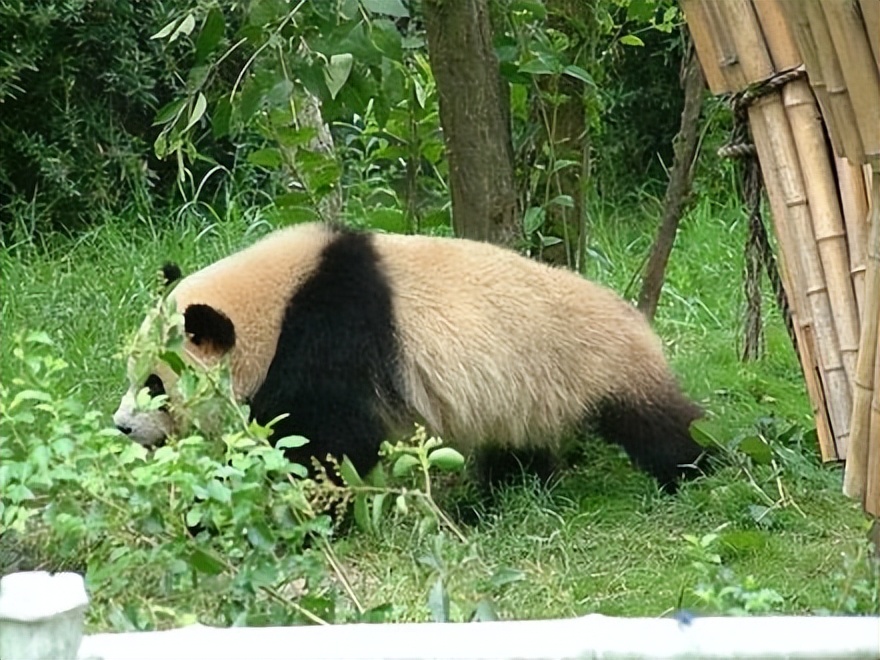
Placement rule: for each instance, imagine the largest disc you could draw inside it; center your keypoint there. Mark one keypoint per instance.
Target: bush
(80, 82)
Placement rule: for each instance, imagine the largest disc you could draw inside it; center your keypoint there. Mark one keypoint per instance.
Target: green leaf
(39, 337)
(389, 7)
(19, 493)
(262, 12)
(30, 395)
(484, 611)
(505, 576)
(349, 474)
(446, 458)
(404, 465)
(290, 137)
(174, 361)
(702, 437)
(169, 112)
(206, 563)
(631, 40)
(210, 35)
(564, 201)
(388, 39)
(541, 66)
(218, 492)
(291, 442)
(378, 509)
(533, 220)
(427, 525)
(362, 513)
(640, 11)
(757, 449)
(561, 164)
(259, 535)
(762, 515)
(268, 157)
(221, 117)
(336, 72)
(166, 30)
(438, 602)
(198, 110)
(402, 506)
(187, 25)
(574, 71)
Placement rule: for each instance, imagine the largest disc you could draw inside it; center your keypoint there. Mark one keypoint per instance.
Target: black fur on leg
(497, 466)
(655, 435)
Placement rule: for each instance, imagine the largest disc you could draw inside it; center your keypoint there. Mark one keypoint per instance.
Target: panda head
(207, 335)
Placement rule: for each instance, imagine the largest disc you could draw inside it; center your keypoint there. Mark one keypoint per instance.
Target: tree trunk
(472, 114)
(680, 179)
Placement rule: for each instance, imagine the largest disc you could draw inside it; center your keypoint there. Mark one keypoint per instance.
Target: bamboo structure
(807, 72)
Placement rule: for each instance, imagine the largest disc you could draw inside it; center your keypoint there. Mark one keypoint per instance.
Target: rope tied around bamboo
(758, 252)
(739, 146)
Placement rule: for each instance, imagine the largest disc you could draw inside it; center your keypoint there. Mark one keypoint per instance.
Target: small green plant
(718, 589)
(412, 463)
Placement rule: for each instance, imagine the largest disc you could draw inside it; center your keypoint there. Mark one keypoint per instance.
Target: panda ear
(170, 273)
(209, 328)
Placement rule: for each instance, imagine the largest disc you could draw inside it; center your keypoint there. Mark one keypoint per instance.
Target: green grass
(602, 539)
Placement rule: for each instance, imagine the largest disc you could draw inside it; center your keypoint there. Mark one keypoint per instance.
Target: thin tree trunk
(680, 179)
(473, 117)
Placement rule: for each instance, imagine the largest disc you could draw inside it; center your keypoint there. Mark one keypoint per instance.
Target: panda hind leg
(655, 433)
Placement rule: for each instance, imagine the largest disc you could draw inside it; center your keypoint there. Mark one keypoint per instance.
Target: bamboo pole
(817, 340)
(854, 200)
(827, 220)
(871, 17)
(859, 70)
(778, 34)
(872, 496)
(708, 45)
(791, 187)
(863, 461)
(840, 116)
(737, 18)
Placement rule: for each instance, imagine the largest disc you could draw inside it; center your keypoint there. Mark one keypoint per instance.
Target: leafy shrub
(79, 82)
(98, 503)
(230, 524)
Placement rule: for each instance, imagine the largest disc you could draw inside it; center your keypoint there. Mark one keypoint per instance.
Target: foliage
(361, 67)
(225, 95)
(79, 84)
(103, 504)
(233, 519)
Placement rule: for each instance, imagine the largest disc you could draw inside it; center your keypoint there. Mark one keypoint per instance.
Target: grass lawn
(601, 539)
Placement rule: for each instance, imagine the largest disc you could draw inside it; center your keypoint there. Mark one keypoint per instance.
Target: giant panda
(354, 335)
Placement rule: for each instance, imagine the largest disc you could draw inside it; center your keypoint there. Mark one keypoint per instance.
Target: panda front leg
(497, 465)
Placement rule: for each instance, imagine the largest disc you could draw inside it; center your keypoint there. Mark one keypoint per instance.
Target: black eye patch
(154, 385)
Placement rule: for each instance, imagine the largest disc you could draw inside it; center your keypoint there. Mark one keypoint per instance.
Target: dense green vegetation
(601, 539)
(81, 244)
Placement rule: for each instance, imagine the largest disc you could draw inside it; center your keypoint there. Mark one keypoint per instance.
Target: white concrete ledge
(41, 618)
(593, 636)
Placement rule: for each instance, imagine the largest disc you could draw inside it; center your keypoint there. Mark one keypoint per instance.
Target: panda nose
(124, 429)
